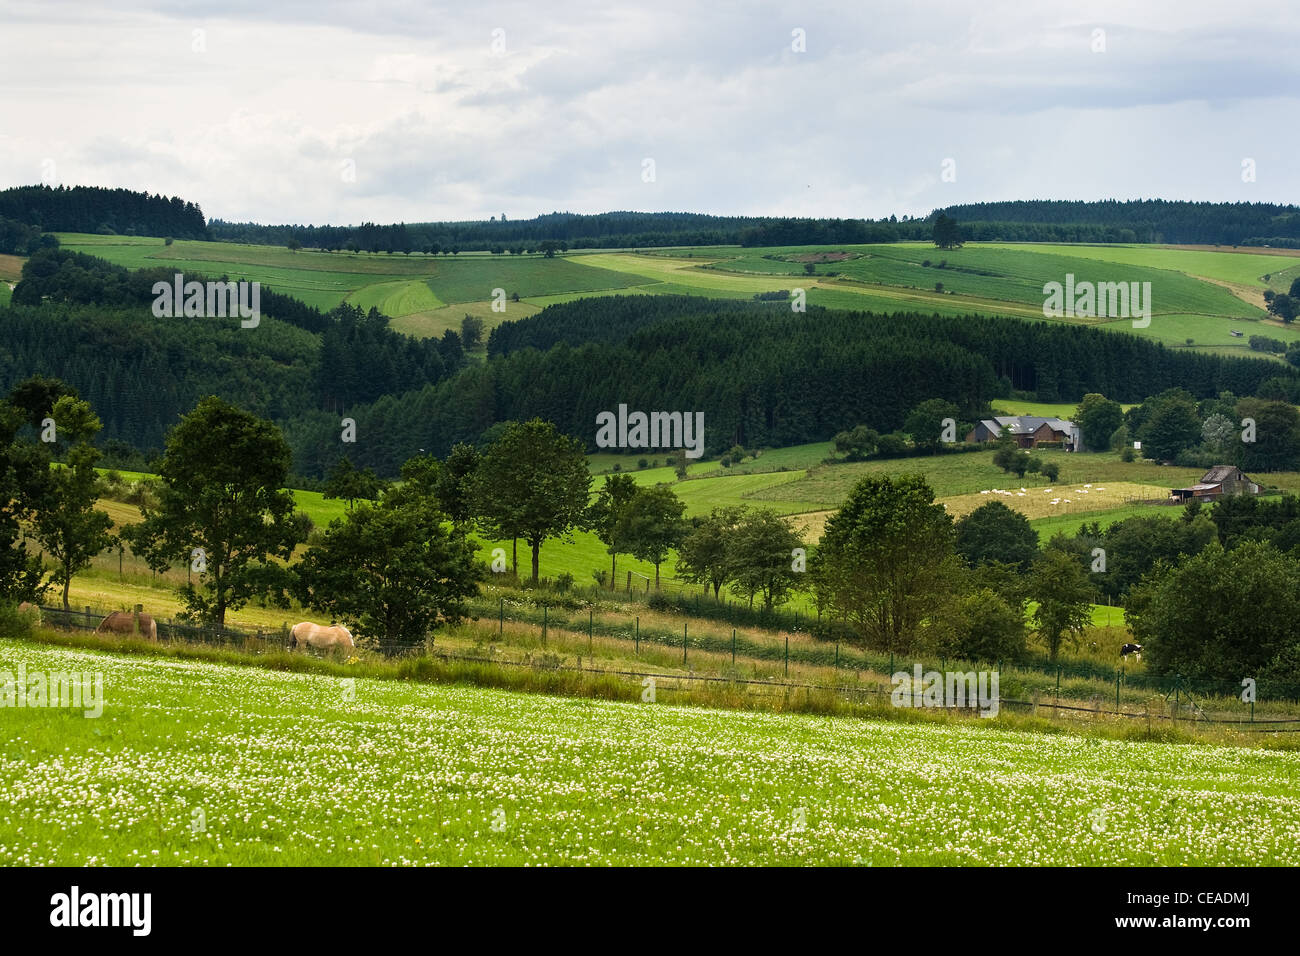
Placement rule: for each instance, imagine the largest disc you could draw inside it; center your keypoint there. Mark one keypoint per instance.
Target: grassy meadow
(793, 481)
(196, 763)
(1197, 294)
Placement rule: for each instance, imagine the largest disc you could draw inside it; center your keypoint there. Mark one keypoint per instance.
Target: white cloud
(257, 124)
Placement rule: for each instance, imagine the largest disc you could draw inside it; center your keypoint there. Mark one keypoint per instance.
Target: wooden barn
(1214, 484)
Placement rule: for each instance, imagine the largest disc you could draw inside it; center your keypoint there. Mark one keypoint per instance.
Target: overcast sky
(316, 111)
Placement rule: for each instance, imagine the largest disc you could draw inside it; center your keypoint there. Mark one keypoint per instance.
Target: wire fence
(1032, 689)
(90, 619)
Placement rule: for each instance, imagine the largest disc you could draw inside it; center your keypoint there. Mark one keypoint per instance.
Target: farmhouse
(1218, 481)
(1028, 430)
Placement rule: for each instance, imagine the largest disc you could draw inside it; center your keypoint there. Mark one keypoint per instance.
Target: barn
(1214, 484)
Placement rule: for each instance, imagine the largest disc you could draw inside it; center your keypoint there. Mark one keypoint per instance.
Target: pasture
(1197, 294)
(195, 763)
(792, 481)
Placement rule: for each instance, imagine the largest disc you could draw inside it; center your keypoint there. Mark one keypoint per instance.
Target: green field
(1014, 406)
(1197, 294)
(793, 481)
(205, 764)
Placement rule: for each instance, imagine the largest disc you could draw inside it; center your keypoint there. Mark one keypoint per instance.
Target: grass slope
(1197, 294)
(210, 764)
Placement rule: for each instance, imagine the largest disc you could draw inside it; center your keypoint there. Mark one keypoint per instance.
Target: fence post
(733, 647)
(683, 643)
(787, 655)
(837, 655)
(638, 636)
(501, 617)
(543, 625)
(1117, 673)
(590, 618)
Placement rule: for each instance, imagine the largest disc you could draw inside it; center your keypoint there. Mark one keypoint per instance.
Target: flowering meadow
(204, 764)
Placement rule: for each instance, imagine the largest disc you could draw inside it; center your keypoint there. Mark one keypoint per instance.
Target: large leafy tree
(995, 533)
(652, 524)
(222, 507)
(925, 422)
(22, 468)
(1171, 423)
(71, 530)
(1098, 417)
(1221, 613)
(351, 484)
(1063, 593)
(35, 397)
(858, 442)
(947, 234)
(1135, 545)
(454, 487)
(606, 513)
(704, 556)
(886, 561)
(533, 483)
(761, 557)
(392, 571)
(984, 626)
(1277, 436)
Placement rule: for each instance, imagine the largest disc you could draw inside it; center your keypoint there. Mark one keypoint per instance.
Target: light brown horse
(31, 611)
(335, 637)
(123, 622)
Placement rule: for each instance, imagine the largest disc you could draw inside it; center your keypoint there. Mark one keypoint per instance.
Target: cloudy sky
(316, 111)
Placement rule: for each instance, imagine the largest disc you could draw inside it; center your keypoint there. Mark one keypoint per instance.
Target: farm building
(1218, 481)
(1028, 430)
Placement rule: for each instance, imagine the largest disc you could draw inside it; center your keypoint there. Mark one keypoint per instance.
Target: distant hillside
(105, 211)
(1146, 221)
(833, 370)
(1135, 220)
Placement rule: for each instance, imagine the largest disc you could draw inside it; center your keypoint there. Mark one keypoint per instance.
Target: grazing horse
(123, 622)
(1134, 649)
(335, 637)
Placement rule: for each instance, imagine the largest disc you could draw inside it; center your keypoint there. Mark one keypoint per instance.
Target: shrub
(13, 623)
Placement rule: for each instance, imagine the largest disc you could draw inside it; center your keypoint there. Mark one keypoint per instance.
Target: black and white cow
(1131, 649)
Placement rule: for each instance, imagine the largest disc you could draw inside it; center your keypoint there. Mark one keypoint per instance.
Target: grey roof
(1026, 424)
(1221, 473)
